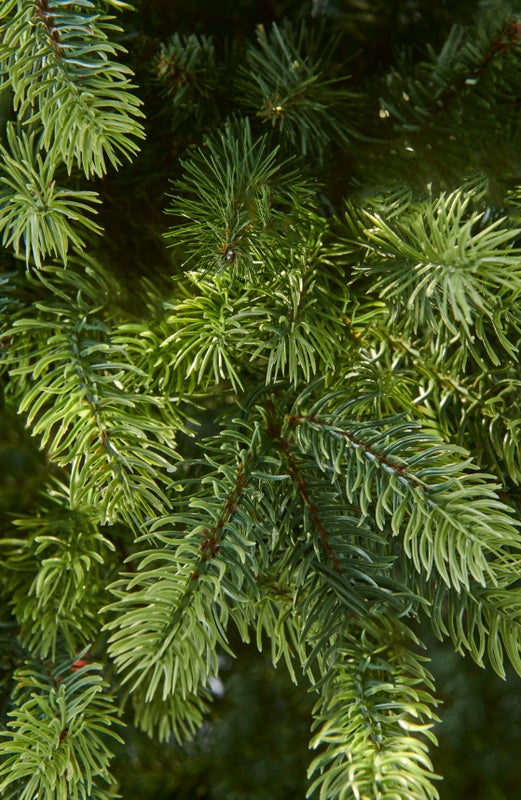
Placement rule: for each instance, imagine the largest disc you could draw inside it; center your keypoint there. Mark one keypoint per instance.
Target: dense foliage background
(397, 131)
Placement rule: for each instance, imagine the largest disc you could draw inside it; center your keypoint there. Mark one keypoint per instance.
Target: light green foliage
(59, 60)
(237, 197)
(115, 444)
(416, 484)
(374, 701)
(445, 267)
(301, 427)
(40, 217)
(58, 724)
(56, 571)
(278, 325)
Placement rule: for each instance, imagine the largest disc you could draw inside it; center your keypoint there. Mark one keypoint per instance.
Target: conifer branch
(279, 444)
(459, 81)
(373, 720)
(290, 90)
(450, 520)
(178, 602)
(274, 430)
(59, 60)
(40, 217)
(235, 196)
(55, 741)
(443, 266)
(57, 570)
(80, 401)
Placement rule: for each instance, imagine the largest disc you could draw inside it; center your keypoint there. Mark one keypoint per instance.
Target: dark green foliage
(187, 73)
(285, 413)
(284, 82)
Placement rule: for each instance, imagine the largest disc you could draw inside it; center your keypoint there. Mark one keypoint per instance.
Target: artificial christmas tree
(286, 411)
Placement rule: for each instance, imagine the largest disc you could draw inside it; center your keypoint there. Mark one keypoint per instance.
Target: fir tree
(285, 411)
